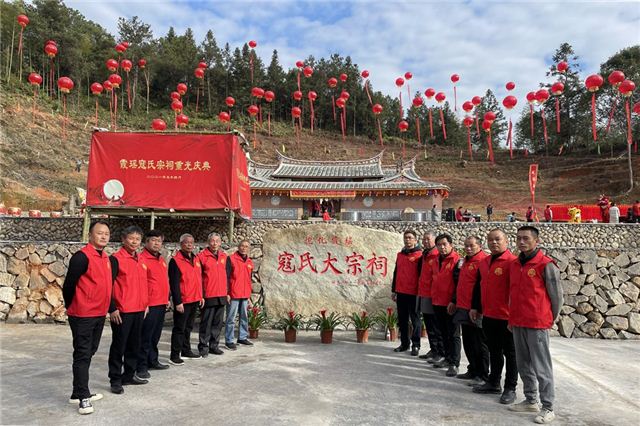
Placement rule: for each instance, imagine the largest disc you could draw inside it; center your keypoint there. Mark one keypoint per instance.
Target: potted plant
(389, 321)
(362, 322)
(326, 324)
(290, 324)
(257, 318)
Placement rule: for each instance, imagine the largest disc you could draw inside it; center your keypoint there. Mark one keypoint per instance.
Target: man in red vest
(214, 287)
(492, 307)
(441, 284)
(636, 211)
(473, 339)
(158, 281)
(239, 271)
(535, 299)
(87, 294)
(548, 214)
(129, 306)
(185, 281)
(429, 257)
(404, 289)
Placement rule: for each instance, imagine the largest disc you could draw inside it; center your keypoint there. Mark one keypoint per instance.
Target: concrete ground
(307, 383)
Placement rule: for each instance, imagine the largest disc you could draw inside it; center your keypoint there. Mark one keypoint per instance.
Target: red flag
(533, 179)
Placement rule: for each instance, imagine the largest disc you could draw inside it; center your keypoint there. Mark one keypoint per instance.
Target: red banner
(533, 179)
(168, 171)
(310, 194)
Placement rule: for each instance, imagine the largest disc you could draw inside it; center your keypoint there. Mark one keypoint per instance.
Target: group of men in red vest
(501, 304)
(134, 287)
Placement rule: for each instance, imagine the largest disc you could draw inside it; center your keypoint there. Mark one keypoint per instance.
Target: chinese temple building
(347, 190)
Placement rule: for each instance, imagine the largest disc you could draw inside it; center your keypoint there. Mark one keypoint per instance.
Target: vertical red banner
(533, 180)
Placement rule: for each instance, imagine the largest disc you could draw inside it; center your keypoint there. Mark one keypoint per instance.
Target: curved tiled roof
(370, 168)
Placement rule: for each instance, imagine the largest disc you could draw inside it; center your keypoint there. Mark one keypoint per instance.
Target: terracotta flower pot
(362, 336)
(393, 334)
(290, 335)
(326, 336)
(253, 334)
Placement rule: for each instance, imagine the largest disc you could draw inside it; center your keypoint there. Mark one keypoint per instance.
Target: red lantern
(230, 101)
(403, 126)
(312, 95)
(96, 89)
(467, 106)
(486, 125)
(158, 124)
(417, 101)
(199, 73)
(269, 96)
(615, 78)
(557, 88)
(65, 84)
(175, 96)
(365, 74)
(112, 65)
(23, 20)
(593, 82)
(224, 117)
(300, 64)
(176, 105)
(253, 110)
(531, 97)
(636, 108)
(115, 80)
(408, 75)
(490, 116)
(377, 109)
(257, 92)
(562, 66)
(297, 95)
(121, 48)
(468, 121)
(51, 50)
(332, 82)
(341, 102)
(296, 112)
(307, 71)
(542, 96)
(399, 82)
(182, 120)
(626, 88)
(142, 63)
(202, 65)
(125, 44)
(181, 88)
(429, 93)
(126, 65)
(455, 78)
(510, 85)
(344, 94)
(35, 79)
(440, 97)
(476, 100)
(253, 44)
(343, 77)
(107, 85)
(509, 102)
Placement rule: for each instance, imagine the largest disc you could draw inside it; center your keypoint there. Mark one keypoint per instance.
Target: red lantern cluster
(257, 92)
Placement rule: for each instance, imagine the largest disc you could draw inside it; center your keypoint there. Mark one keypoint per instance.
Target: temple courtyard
(306, 383)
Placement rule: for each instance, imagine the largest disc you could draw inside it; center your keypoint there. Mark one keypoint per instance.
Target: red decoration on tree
(467, 106)
(142, 63)
(365, 74)
(158, 124)
(562, 66)
(490, 116)
(615, 78)
(230, 101)
(417, 101)
(269, 96)
(51, 50)
(468, 122)
(510, 86)
(121, 48)
(23, 20)
(377, 109)
(253, 44)
(344, 94)
(476, 100)
(115, 80)
(126, 65)
(181, 88)
(175, 95)
(332, 82)
(182, 120)
(202, 65)
(176, 105)
(307, 71)
(112, 65)
(199, 73)
(257, 92)
(403, 126)
(253, 110)
(224, 117)
(593, 83)
(296, 112)
(297, 95)
(343, 77)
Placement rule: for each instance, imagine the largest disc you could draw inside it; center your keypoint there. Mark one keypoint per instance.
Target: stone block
(34, 259)
(622, 276)
(578, 319)
(49, 258)
(32, 308)
(4, 308)
(45, 307)
(588, 290)
(634, 270)
(616, 322)
(588, 268)
(35, 281)
(6, 279)
(566, 309)
(23, 292)
(596, 317)
(622, 260)
(18, 312)
(63, 252)
(603, 282)
(48, 275)
(584, 308)
(22, 253)
(59, 314)
(578, 334)
(629, 291)
(7, 295)
(590, 328)
(634, 322)
(3, 263)
(53, 294)
(566, 326)
(570, 286)
(16, 266)
(58, 268)
(614, 297)
(625, 335)
(599, 303)
(586, 256)
(608, 333)
(623, 309)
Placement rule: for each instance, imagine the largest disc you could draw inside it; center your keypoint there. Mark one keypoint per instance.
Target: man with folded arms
(158, 281)
(214, 283)
(87, 295)
(239, 270)
(429, 259)
(129, 306)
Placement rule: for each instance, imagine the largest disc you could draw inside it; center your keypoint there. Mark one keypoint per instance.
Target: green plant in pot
(362, 323)
(290, 324)
(389, 321)
(257, 317)
(326, 324)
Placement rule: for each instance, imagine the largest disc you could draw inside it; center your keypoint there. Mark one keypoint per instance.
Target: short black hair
(412, 232)
(444, 237)
(153, 233)
(531, 229)
(475, 237)
(97, 222)
(133, 229)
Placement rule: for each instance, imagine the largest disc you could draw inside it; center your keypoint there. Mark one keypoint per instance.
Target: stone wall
(555, 235)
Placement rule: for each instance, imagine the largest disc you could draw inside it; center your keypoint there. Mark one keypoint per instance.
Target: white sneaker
(85, 406)
(525, 407)
(94, 397)
(545, 416)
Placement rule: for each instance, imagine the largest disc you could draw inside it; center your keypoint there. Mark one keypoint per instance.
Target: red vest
(93, 291)
(529, 305)
(442, 285)
(190, 278)
(407, 272)
(424, 289)
(214, 273)
(130, 289)
(494, 285)
(157, 278)
(467, 280)
(240, 277)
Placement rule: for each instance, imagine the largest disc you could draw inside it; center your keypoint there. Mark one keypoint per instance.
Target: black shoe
(216, 351)
(245, 342)
(143, 375)
(435, 359)
(231, 346)
(117, 388)
(85, 406)
(204, 353)
(441, 364)
(488, 388)
(401, 349)
(415, 351)
(508, 396)
(428, 355)
(452, 371)
(158, 366)
(176, 361)
(190, 355)
(135, 380)
(465, 376)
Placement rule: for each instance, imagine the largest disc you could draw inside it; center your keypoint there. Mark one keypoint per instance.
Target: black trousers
(476, 351)
(211, 323)
(450, 335)
(151, 332)
(433, 334)
(125, 343)
(407, 308)
(501, 349)
(182, 326)
(86, 334)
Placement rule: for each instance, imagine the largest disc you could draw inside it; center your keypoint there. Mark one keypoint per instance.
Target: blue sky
(486, 42)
